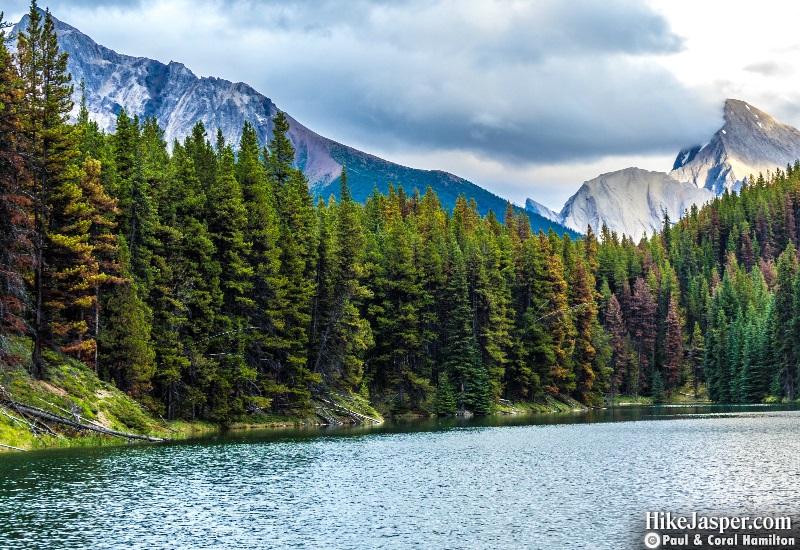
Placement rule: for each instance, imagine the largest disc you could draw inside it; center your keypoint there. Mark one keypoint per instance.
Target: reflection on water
(575, 480)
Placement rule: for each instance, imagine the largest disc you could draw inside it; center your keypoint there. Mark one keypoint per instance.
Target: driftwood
(17, 420)
(42, 415)
(35, 427)
(358, 417)
(327, 416)
(52, 417)
(10, 447)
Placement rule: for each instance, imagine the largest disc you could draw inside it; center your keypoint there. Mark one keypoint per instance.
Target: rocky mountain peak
(750, 142)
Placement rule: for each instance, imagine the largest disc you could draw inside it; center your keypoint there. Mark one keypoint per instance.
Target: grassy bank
(73, 390)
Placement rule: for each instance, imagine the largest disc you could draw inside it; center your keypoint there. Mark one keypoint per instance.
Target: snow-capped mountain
(633, 201)
(750, 142)
(178, 99)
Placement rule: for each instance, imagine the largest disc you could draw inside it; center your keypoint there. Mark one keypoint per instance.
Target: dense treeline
(206, 283)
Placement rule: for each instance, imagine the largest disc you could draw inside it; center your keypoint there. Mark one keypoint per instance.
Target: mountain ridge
(177, 98)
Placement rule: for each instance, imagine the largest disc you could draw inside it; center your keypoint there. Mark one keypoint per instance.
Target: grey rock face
(630, 201)
(749, 143)
(533, 206)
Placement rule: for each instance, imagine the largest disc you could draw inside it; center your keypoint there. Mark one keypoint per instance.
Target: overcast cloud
(524, 98)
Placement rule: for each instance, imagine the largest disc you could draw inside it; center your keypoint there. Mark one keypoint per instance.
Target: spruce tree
(342, 335)
(227, 223)
(126, 350)
(269, 283)
(673, 348)
(280, 159)
(585, 313)
(298, 226)
(462, 362)
(620, 381)
(783, 324)
(695, 354)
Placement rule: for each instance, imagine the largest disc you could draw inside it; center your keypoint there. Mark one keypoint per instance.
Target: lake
(573, 480)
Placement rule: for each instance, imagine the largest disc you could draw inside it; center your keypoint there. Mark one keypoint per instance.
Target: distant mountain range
(178, 99)
(633, 201)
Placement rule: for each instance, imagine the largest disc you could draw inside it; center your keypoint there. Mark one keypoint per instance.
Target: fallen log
(42, 415)
(357, 416)
(35, 427)
(328, 417)
(10, 447)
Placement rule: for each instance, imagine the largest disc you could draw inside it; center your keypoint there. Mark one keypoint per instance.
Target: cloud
(769, 68)
(14, 9)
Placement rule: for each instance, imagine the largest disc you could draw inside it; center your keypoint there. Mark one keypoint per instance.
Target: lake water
(578, 480)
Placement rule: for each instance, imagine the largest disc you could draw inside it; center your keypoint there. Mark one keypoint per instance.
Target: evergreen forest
(208, 283)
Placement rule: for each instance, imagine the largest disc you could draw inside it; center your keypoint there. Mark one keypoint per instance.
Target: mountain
(633, 201)
(630, 201)
(750, 142)
(178, 99)
(538, 208)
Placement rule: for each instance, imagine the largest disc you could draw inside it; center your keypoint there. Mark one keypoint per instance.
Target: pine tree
(399, 369)
(695, 354)
(445, 398)
(188, 296)
(281, 152)
(227, 223)
(462, 363)
(103, 270)
(585, 312)
(49, 144)
(619, 344)
(489, 271)
(125, 147)
(342, 334)
(642, 327)
(126, 350)
(783, 324)
(754, 378)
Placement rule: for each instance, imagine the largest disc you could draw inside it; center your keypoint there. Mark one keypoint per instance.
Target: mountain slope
(177, 98)
(750, 142)
(630, 201)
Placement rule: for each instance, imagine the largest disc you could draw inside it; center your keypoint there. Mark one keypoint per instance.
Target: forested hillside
(205, 282)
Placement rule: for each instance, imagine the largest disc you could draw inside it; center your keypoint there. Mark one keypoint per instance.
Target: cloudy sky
(525, 98)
